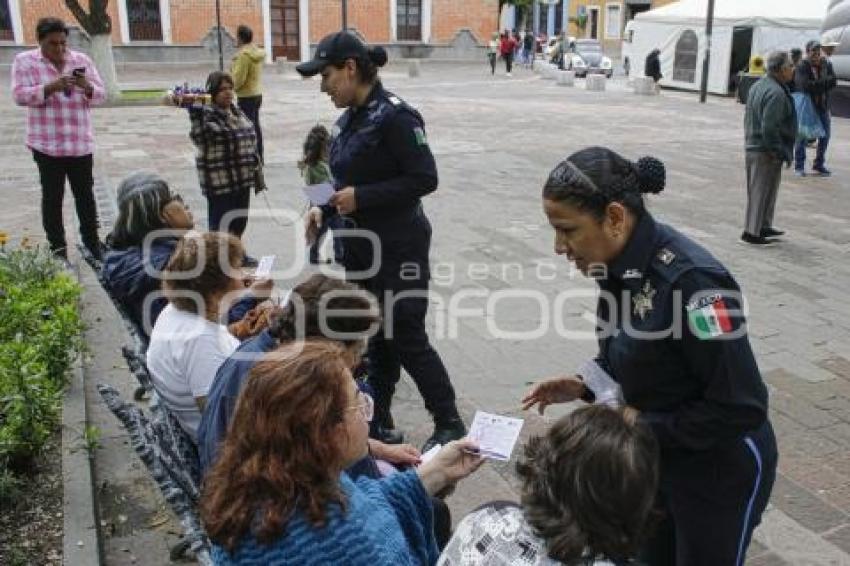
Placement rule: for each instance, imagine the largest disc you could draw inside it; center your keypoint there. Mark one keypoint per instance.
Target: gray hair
(776, 60)
(141, 198)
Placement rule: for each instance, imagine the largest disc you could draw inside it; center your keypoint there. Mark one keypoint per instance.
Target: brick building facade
(287, 28)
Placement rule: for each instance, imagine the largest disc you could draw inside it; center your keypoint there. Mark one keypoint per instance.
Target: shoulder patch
(396, 101)
(421, 138)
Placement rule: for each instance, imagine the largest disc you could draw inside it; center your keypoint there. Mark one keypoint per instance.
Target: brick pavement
(495, 141)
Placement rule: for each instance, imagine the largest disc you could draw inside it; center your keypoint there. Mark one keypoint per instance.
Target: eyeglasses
(365, 405)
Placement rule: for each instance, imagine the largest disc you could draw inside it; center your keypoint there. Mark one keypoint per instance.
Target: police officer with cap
(382, 167)
(673, 347)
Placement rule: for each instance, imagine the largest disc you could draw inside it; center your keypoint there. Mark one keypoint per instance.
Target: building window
(685, 61)
(612, 21)
(144, 21)
(6, 31)
(409, 20)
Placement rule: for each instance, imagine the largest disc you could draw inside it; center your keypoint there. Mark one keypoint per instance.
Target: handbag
(809, 125)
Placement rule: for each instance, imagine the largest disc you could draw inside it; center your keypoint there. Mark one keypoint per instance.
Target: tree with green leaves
(98, 25)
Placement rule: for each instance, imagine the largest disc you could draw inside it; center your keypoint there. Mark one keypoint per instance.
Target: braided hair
(594, 177)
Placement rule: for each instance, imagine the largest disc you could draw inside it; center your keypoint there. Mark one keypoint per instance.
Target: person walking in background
(59, 86)
(652, 65)
(770, 122)
(815, 78)
(493, 51)
(506, 50)
(528, 48)
(315, 170)
(796, 57)
(247, 70)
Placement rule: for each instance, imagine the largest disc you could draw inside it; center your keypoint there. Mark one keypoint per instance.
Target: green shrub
(40, 337)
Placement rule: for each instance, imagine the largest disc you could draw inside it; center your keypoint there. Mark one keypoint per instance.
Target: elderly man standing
(59, 86)
(770, 123)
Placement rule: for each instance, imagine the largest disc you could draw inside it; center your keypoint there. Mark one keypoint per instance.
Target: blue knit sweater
(387, 522)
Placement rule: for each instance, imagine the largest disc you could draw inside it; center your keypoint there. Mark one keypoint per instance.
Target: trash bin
(745, 81)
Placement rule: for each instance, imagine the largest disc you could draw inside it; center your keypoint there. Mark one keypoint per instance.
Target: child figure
(315, 170)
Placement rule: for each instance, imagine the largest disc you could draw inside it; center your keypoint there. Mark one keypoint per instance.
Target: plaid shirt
(60, 125)
(227, 149)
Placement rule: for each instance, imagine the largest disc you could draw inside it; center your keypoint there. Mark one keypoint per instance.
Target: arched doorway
(685, 60)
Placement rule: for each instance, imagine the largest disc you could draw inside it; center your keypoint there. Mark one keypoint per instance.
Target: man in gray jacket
(770, 123)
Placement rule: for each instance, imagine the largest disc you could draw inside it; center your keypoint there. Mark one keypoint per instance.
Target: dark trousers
(712, 501)
(219, 205)
(250, 105)
(509, 61)
(331, 223)
(823, 143)
(492, 58)
(408, 348)
(52, 171)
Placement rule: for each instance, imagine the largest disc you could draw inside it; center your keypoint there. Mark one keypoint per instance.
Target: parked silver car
(586, 56)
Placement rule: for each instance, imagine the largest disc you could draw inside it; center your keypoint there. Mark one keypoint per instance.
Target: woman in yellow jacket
(246, 70)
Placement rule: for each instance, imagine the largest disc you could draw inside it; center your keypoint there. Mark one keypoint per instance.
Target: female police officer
(671, 335)
(382, 166)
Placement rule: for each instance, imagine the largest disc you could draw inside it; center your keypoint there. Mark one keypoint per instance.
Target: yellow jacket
(246, 69)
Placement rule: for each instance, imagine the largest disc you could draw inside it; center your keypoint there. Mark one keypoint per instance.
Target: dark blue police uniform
(381, 149)
(671, 336)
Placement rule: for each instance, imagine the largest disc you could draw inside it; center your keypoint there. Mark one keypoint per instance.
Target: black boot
(445, 430)
(383, 429)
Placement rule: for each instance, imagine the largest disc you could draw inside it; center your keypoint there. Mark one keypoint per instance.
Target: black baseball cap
(334, 48)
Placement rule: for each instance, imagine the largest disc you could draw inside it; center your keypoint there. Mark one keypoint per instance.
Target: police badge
(643, 301)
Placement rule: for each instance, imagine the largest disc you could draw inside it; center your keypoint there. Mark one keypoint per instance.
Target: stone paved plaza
(495, 140)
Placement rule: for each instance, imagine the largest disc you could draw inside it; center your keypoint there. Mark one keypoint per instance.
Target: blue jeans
(823, 143)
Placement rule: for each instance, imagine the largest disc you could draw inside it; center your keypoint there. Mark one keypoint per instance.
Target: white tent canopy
(777, 24)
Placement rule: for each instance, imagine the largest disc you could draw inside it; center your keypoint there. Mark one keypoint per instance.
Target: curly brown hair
(278, 456)
(197, 268)
(589, 485)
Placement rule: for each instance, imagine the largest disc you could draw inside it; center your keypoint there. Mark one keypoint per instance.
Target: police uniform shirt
(696, 383)
(381, 149)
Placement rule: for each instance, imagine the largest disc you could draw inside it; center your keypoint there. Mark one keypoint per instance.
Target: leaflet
(319, 194)
(495, 435)
(264, 268)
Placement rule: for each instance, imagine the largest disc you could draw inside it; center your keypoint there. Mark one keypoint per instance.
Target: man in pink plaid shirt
(59, 86)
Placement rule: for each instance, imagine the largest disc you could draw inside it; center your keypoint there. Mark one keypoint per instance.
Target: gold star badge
(643, 301)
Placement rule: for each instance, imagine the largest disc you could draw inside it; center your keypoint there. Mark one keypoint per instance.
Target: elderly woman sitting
(277, 493)
(137, 254)
(588, 488)
(188, 342)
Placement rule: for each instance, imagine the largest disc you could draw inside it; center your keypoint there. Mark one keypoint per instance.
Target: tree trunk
(101, 54)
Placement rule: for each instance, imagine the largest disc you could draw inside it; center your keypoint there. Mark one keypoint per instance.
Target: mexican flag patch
(710, 320)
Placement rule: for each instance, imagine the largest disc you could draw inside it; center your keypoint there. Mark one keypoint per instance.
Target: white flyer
(264, 268)
(495, 435)
(319, 194)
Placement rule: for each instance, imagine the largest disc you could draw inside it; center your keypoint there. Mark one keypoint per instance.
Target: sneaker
(96, 250)
(508, 74)
(771, 233)
(822, 171)
(755, 240)
(799, 172)
(452, 429)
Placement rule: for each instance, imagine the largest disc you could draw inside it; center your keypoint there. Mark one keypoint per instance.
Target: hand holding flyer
(319, 194)
(495, 435)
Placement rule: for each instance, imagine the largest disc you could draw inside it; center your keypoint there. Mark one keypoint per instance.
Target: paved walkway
(495, 140)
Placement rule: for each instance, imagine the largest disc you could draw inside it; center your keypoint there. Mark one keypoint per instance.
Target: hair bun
(378, 55)
(652, 175)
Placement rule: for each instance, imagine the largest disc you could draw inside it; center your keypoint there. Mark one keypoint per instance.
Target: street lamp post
(218, 32)
(344, 15)
(709, 24)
